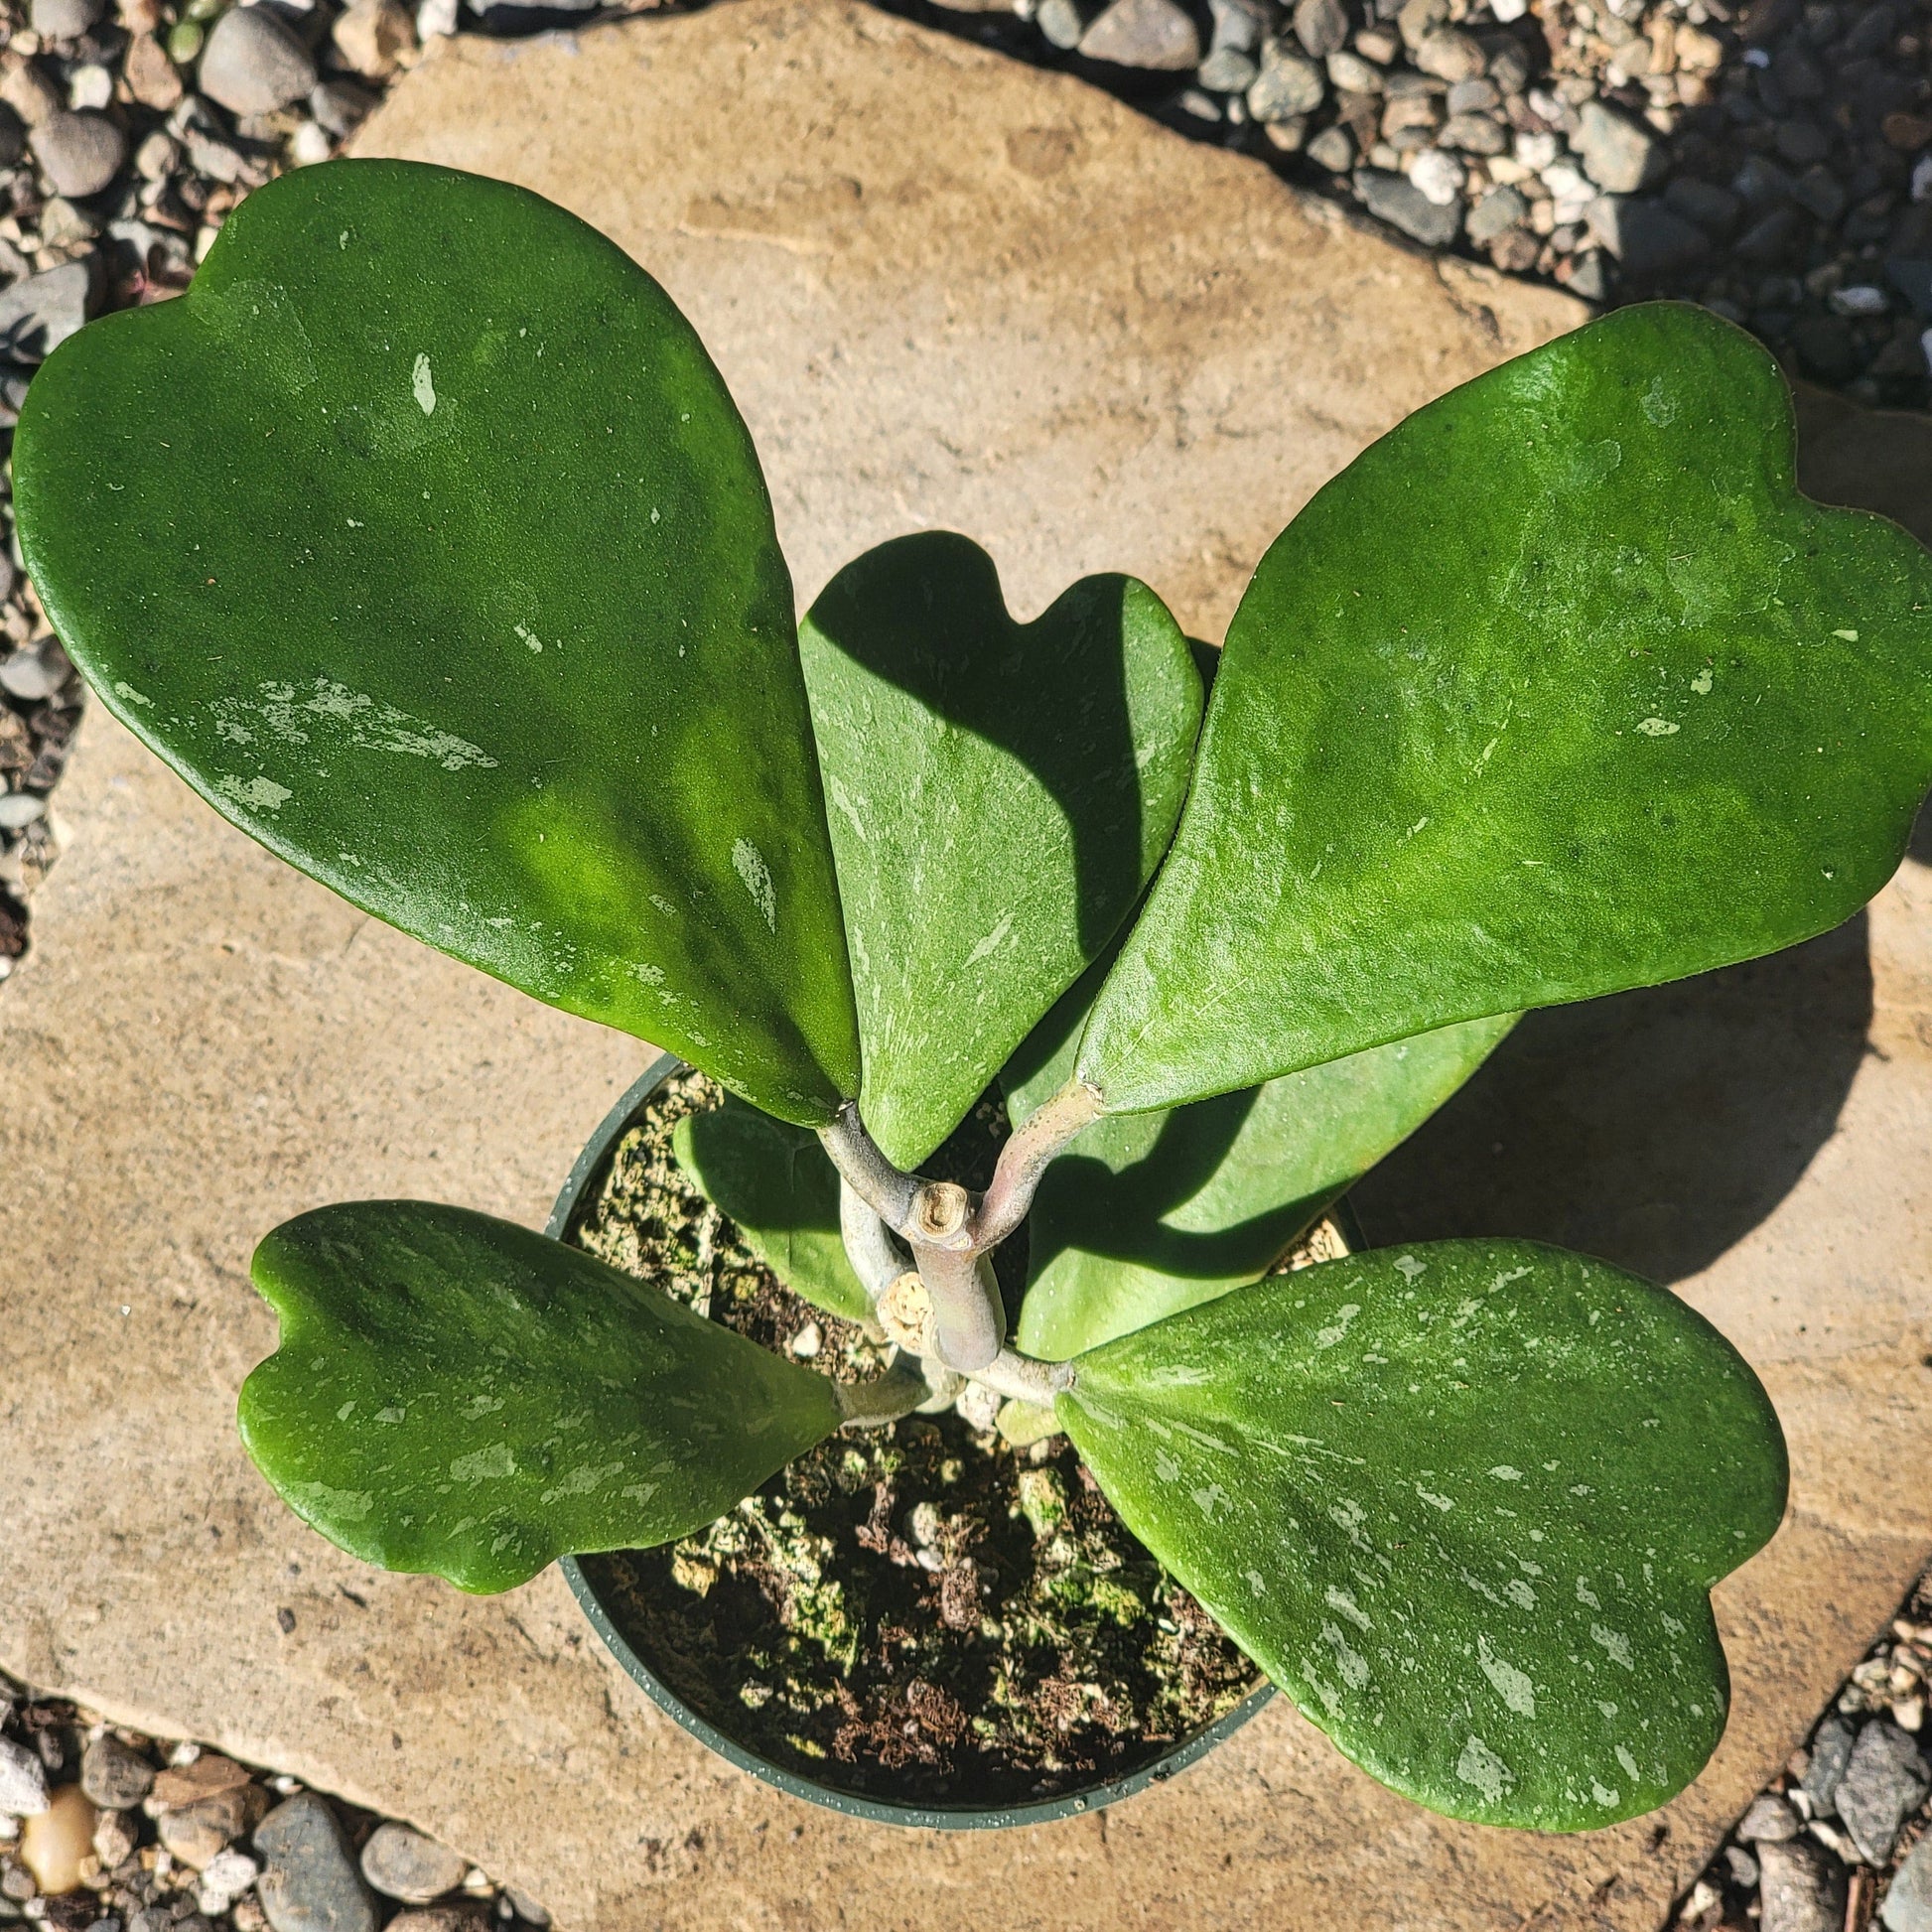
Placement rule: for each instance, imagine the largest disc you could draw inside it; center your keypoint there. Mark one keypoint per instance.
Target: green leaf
(423, 539)
(1000, 793)
(1147, 1214)
(1464, 1504)
(778, 1183)
(458, 1395)
(1558, 688)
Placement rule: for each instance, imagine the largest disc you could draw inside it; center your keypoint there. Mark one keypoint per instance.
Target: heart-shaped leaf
(1464, 1504)
(423, 539)
(458, 1395)
(1147, 1214)
(778, 1183)
(1000, 795)
(1560, 688)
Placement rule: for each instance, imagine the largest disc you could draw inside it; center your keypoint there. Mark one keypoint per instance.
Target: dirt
(922, 1612)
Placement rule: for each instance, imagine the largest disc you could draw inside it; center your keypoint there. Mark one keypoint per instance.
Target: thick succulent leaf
(458, 1395)
(1558, 688)
(423, 539)
(777, 1182)
(1464, 1504)
(1000, 795)
(1147, 1214)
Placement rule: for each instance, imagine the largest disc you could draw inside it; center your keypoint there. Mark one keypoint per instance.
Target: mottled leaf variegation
(458, 1395)
(1558, 688)
(423, 539)
(1464, 1504)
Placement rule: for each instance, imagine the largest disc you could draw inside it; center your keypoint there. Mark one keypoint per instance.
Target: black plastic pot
(956, 1818)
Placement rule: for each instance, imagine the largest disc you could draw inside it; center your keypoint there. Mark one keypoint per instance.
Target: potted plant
(422, 537)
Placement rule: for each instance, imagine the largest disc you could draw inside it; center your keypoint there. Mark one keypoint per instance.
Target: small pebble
(89, 86)
(151, 79)
(1618, 153)
(408, 1865)
(1769, 1820)
(65, 20)
(223, 1879)
(1450, 54)
(310, 1883)
(157, 157)
(1500, 210)
(525, 1907)
(79, 153)
(1333, 150)
(22, 1777)
(1801, 1889)
(195, 1833)
(54, 1841)
(253, 64)
(1156, 34)
(310, 145)
(1401, 203)
(375, 36)
(1322, 26)
(114, 1775)
(1885, 1780)
(1286, 86)
(1439, 177)
(807, 1344)
(116, 1839)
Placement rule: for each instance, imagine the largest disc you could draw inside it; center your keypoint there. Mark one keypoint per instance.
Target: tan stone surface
(944, 289)
(951, 292)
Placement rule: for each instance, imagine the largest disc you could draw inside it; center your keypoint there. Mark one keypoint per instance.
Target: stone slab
(949, 291)
(944, 289)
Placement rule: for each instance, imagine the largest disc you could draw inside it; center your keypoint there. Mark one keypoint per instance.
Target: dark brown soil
(919, 1614)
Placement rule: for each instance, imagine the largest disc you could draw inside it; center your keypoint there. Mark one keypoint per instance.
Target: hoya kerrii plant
(422, 537)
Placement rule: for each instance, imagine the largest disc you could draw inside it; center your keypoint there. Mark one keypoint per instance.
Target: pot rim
(882, 1811)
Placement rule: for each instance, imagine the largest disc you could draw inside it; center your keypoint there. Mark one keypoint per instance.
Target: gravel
(311, 1882)
(405, 1864)
(1771, 159)
(1844, 1834)
(253, 64)
(1884, 1785)
(297, 1873)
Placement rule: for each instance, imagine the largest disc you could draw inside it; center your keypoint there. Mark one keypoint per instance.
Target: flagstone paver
(946, 290)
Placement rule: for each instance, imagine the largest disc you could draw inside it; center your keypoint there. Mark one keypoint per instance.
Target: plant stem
(871, 1405)
(966, 1304)
(1022, 1379)
(886, 1189)
(949, 1233)
(875, 1256)
(1028, 1154)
